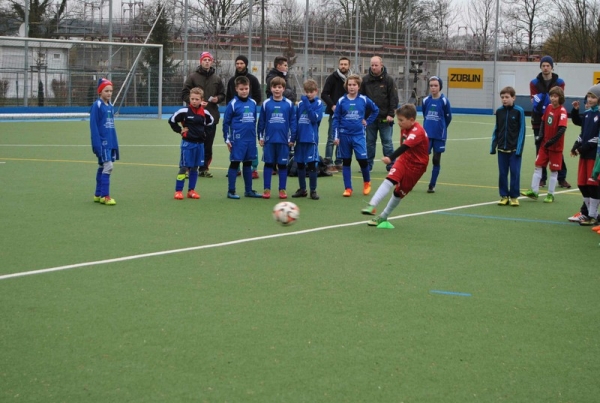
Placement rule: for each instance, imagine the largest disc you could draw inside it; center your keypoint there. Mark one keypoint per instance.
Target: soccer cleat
(282, 194)
(575, 217)
(503, 201)
(300, 193)
(375, 221)
(191, 194)
(314, 195)
(255, 175)
(96, 199)
(178, 195)
(366, 188)
(347, 192)
(232, 195)
(205, 174)
(514, 202)
(431, 189)
(549, 198)
(369, 210)
(589, 221)
(564, 184)
(254, 194)
(107, 200)
(266, 194)
(531, 194)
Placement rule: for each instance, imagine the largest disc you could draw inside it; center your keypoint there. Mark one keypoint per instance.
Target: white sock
(382, 190)
(553, 181)
(586, 200)
(535, 181)
(593, 208)
(392, 204)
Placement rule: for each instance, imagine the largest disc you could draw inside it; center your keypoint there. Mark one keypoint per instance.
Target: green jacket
(212, 86)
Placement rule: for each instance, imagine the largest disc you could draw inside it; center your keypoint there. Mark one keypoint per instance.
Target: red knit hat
(204, 55)
(103, 82)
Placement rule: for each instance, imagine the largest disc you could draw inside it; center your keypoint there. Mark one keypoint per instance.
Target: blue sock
(98, 182)
(105, 185)
(231, 178)
(247, 174)
(302, 178)
(193, 179)
(434, 175)
(268, 172)
(366, 173)
(312, 178)
(283, 178)
(347, 177)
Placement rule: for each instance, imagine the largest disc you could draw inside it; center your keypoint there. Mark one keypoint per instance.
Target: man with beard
(214, 93)
(333, 90)
(280, 70)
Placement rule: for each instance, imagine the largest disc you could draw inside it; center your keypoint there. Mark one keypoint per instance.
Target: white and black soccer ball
(286, 213)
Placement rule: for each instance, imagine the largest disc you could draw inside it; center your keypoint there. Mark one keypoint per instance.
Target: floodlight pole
(185, 38)
(249, 31)
(305, 75)
(407, 68)
(356, 36)
(25, 86)
(494, 89)
(110, 38)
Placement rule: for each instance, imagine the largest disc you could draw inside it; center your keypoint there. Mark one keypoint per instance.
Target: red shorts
(554, 157)
(406, 177)
(584, 173)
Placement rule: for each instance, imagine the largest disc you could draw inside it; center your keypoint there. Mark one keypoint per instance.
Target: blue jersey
(277, 121)
(349, 114)
(102, 128)
(437, 116)
(309, 115)
(239, 121)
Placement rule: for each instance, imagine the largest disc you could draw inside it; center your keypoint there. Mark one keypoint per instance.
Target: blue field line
(457, 294)
(506, 218)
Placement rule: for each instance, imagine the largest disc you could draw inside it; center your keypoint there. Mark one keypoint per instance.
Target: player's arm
(447, 111)
(575, 116)
(559, 133)
(374, 110)
(494, 137)
(293, 124)
(177, 118)
(262, 122)
(227, 119)
(521, 138)
(397, 153)
(95, 132)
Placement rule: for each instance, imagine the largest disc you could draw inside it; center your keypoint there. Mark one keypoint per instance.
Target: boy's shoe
(96, 199)
(191, 194)
(366, 188)
(549, 198)
(375, 221)
(339, 167)
(282, 194)
(347, 192)
(266, 194)
(178, 196)
(564, 184)
(300, 193)
(205, 174)
(503, 201)
(108, 201)
(575, 217)
(232, 195)
(514, 202)
(431, 189)
(254, 194)
(314, 195)
(596, 228)
(255, 175)
(531, 194)
(369, 210)
(589, 221)
(332, 169)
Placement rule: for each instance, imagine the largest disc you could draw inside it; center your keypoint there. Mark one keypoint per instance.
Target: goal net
(51, 78)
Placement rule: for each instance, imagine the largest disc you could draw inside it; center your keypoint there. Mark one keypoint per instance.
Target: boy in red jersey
(411, 158)
(552, 133)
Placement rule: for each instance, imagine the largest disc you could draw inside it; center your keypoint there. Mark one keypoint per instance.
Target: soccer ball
(286, 213)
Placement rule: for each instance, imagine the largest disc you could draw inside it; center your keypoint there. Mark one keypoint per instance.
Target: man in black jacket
(381, 88)
(280, 70)
(333, 89)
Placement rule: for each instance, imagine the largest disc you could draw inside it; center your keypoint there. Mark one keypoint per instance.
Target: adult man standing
(241, 69)
(538, 89)
(381, 89)
(333, 90)
(280, 70)
(214, 93)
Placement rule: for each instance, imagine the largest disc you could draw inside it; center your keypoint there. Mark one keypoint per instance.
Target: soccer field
(158, 300)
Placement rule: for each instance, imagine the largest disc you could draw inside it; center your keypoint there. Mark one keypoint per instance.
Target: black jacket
(195, 120)
(255, 93)
(212, 86)
(509, 133)
(382, 90)
(333, 90)
(289, 92)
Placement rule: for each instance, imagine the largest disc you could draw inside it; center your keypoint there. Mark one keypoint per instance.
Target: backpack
(292, 167)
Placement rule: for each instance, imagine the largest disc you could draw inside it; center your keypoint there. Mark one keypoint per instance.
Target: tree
(525, 17)
(41, 15)
(481, 17)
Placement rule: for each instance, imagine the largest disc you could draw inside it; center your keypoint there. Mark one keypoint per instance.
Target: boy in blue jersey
(309, 114)
(349, 131)
(276, 134)
(508, 139)
(239, 132)
(190, 121)
(104, 141)
(437, 115)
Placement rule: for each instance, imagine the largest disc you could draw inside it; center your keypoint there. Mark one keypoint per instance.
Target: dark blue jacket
(509, 133)
(587, 142)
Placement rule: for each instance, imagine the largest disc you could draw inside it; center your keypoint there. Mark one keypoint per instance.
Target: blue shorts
(438, 146)
(349, 143)
(276, 153)
(192, 154)
(305, 153)
(107, 154)
(243, 151)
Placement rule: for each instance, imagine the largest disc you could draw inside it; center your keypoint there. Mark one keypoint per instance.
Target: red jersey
(417, 155)
(553, 119)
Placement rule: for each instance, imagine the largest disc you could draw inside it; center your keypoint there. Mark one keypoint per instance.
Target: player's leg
(107, 167)
(283, 155)
(313, 172)
(503, 168)
(268, 158)
(97, 192)
(439, 146)
(360, 151)
(234, 166)
(515, 178)
(407, 181)
(555, 159)
(209, 131)
(538, 143)
(345, 154)
(185, 165)
(329, 145)
(301, 159)
(196, 160)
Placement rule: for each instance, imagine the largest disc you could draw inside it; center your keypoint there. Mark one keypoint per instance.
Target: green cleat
(108, 201)
(96, 199)
(369, 210)
(549, 198)
(531, 194)
(503, 201)
(375, 221)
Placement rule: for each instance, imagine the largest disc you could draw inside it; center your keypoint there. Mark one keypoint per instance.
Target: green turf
(347, 313)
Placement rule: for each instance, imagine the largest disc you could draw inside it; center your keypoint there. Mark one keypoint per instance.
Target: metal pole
(494, 89)
(356, 37)
(110, 37)
(185, 38)
(26, 67)
(305, 75)
(160, 74)
(249, 31)
(263, 40)
(407, 68)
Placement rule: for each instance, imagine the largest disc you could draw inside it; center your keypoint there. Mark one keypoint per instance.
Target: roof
(35, 44)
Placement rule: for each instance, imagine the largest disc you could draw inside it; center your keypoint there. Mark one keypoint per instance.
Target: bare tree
(481, 21)
(41, 15)
(526, 18)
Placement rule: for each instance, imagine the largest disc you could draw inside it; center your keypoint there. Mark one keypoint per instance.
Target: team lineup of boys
(282, 126)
